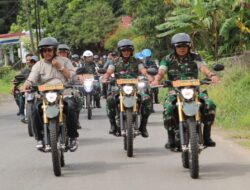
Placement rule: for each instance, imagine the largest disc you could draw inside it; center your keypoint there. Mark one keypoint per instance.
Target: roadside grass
(5, 83)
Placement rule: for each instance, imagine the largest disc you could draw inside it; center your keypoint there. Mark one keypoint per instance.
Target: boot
(143, 128)
(98, 104)
(171, 140)
(207, 136)
(113, 128)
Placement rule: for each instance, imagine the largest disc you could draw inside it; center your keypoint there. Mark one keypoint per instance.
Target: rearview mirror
(20, 78)
(218, 67)
(102, 71)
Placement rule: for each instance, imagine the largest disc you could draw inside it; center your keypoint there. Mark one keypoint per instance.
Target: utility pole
(36, 18)
(29, 25)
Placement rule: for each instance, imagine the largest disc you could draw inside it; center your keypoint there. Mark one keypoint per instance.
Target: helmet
(34, 58)
(96, 56)
(49, 41)
(181, 38)
(63, 47)
(146, 53)
(125, 44)
(75, 57)
(139, 55)
(87, 53)
(104, 56)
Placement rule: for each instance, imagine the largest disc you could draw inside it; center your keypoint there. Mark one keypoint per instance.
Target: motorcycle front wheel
(194, 149)
(129, 138)
(88, 102)
(56, 154)
(29, 111)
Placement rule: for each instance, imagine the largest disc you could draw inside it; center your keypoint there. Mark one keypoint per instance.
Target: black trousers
(69, 109)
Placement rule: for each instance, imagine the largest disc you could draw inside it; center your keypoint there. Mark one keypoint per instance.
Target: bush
(4, 71)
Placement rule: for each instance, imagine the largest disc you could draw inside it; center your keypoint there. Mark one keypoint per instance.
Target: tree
(8, 12)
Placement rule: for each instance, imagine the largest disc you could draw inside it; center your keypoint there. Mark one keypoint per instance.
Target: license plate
(127, 81)
(180, 83)
(50, 87)
(87, 76)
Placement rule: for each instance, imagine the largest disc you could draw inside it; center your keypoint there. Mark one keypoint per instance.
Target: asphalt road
(101, 163)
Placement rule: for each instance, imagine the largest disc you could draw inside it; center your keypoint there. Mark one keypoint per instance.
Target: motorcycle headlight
(187, 93)
(127, 89)
(51, 96)
(141, 85)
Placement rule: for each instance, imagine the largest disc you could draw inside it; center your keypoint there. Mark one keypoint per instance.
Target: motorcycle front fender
(128, 101)
(190, 109)
(52, 111)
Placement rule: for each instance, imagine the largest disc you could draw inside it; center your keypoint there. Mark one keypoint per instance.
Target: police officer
(127, 67)
(90, 68)
(183, 64)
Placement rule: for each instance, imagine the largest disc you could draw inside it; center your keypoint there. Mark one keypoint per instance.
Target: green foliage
(5, 81)
(8, 12)
(121, 33)
(5, 70)
(232, 100)
(146, 15)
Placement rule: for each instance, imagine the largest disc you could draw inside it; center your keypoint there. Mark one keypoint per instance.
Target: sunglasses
(182, 46)
(126, 50)
(44, 50)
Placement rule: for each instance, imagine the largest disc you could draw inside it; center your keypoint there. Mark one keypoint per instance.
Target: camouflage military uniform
(184, 69)
(90, 69)
(131, 69)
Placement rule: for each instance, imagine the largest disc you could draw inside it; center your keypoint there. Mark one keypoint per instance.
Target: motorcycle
(189, 135)
(29, 102)
(87, 91)
(54, 124)
(128, 110)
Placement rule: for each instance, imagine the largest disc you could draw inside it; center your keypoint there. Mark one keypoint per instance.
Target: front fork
(46, 123)
(122, 109)
(181, 122)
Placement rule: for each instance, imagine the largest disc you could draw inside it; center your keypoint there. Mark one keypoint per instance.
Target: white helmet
(87, 53)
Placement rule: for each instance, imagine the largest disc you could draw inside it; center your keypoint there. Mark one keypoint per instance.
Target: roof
(10, 38)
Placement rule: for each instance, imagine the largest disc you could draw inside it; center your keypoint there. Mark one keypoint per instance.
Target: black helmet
(125, 44)
(75, 57)
(181, 38)
(63, 47)
(49, 41)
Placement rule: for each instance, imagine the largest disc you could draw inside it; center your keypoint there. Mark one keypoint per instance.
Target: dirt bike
(189, 135)
(54, 124)
(128, 110)
(26, 99)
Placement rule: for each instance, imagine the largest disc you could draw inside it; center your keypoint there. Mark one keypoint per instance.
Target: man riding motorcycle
(90, 68)
(127, 67)
(63, 50)
(149, 63)
(20, 101)
(183, 64)
(53, 67)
